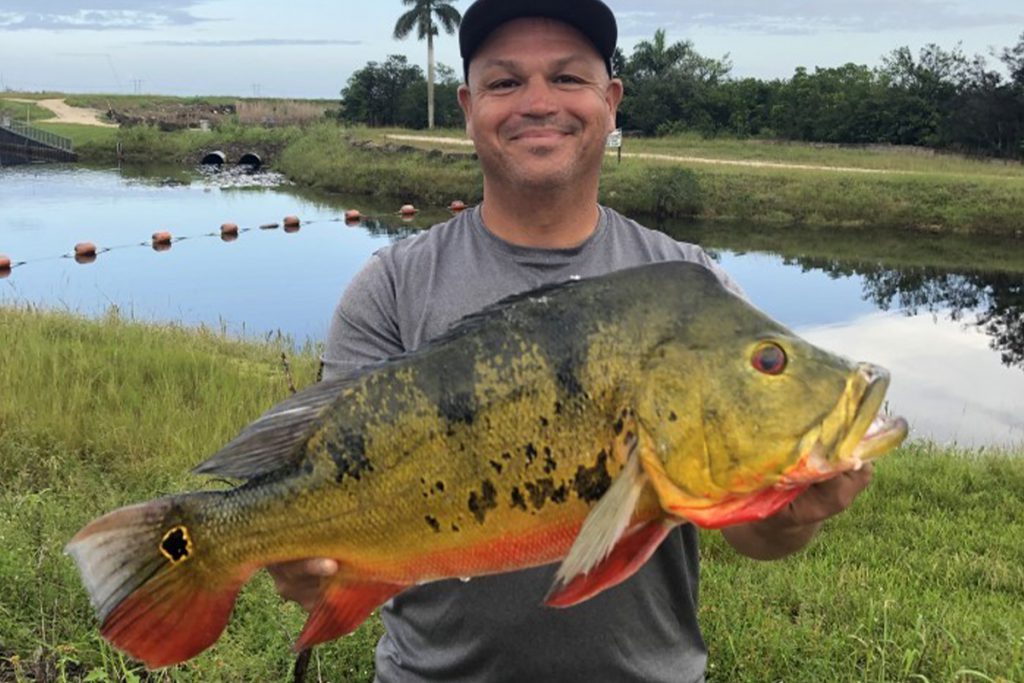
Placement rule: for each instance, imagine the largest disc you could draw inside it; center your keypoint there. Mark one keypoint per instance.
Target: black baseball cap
(592, 18)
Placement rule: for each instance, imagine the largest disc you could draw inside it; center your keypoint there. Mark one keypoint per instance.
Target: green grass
(24, 112)
(921, 581)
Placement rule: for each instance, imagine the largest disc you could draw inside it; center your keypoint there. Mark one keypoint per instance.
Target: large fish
(578, 422)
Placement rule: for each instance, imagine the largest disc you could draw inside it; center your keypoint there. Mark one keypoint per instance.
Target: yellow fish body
(578, 422)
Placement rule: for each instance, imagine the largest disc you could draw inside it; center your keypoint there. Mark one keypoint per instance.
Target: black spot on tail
(176, 545)
(433, 523)
(483, 500)
(517, 499)
(590, 483)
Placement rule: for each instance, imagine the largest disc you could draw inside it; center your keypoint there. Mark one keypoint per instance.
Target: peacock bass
(578, 423)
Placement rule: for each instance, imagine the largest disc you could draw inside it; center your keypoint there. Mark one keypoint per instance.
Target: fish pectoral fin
(628, 555)
(344, 604)
(273, 441)
(595, 561)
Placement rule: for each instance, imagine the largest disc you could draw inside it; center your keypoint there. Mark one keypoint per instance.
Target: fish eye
(769, 358)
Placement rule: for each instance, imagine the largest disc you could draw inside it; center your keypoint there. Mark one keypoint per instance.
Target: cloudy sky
(303, 48)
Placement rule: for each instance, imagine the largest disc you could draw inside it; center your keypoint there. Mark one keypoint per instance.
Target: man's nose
(538, 97)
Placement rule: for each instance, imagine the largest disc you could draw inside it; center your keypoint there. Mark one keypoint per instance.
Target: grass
(24, 112)
(921, 581)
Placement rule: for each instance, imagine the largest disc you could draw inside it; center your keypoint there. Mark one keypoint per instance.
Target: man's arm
(794, 526)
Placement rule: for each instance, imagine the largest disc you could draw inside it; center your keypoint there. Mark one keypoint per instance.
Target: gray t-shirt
(495, 628)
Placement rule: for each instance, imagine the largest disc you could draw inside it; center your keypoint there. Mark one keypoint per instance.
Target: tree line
(938, 98)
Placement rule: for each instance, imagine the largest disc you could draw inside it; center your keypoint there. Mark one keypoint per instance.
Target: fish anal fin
(750, 508)
(343, 605)
(628, 555)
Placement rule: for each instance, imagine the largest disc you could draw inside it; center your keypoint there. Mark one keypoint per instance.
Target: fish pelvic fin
(343, 605)
(140, 567)
(604, 553)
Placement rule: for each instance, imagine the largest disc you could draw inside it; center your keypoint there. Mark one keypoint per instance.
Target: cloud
(797, 17)
(96, 15)
(253, 42)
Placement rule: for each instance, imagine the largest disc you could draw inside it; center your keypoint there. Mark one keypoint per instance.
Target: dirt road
(65, 113)
(669, 157)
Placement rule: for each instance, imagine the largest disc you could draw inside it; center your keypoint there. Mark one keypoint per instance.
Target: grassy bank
(921, 581)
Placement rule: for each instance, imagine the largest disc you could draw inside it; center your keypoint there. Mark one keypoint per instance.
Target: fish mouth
(856, 431)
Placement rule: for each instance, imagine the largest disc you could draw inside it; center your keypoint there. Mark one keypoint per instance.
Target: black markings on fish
(349, 456)
(482, 501)
(618, 426)
(672, 417)
(176, 544)
(455, 527)
(458, 407)
(549, 462)
(496, 465)
(531, 453)
(517, 498)
(433, 523)
(543, 490)
(543, 421)
(506, 456)
(558, 407)
(439, 487)
(567, 377)
(591, 483)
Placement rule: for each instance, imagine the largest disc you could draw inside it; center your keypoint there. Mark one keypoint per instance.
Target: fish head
(759, 409)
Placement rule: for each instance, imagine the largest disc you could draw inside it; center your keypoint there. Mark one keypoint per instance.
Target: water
(951, 333)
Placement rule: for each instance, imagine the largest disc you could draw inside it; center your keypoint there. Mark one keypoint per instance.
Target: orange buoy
(291, 222)
(228, 229)
(268, 226)
(408, 210)
(162, 237)
(457, 205)
(85, 249)
(353, 216)
(5, 266)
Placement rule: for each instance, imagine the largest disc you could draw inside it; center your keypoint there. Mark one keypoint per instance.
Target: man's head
(539, 101)
(592, 18)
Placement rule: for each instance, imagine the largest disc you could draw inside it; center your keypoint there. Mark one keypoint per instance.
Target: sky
(308, 49)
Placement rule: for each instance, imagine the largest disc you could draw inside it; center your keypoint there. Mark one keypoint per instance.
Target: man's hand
(792, 527)
(301, 580)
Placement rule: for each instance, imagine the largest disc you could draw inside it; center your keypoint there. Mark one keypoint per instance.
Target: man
(539, 101)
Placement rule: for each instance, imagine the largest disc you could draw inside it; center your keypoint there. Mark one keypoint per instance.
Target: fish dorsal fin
(273, 441)
(605, 524)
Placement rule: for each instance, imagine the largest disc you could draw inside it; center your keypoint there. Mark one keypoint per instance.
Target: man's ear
(613, 96)
(466, 104)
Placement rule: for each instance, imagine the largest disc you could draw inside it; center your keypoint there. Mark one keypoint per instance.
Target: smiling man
(539, 101)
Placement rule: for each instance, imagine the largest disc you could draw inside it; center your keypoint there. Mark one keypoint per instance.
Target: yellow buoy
(291, 221)
(457, 205)
(228, 229)
(408, 210)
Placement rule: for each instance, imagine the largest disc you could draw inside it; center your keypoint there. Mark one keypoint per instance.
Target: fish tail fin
(145, 578)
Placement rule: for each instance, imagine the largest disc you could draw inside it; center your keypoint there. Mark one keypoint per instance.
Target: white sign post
(614, 141)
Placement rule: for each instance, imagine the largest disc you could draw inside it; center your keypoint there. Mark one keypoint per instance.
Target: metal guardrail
(38, 135)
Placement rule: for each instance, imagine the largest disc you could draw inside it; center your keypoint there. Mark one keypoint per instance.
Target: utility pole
(137, 86)
(256, 89)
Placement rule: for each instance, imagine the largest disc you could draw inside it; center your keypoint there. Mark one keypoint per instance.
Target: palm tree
(421, 16)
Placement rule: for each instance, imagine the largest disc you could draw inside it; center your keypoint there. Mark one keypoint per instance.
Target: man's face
(539, 106)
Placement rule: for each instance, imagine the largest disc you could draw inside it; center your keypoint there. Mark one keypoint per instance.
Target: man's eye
(568, 78)
(503, 84)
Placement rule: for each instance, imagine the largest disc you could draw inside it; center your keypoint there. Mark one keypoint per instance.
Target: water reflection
(945, 381)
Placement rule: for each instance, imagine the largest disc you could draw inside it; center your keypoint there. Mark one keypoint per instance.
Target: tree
(421, 17)
(374, 93)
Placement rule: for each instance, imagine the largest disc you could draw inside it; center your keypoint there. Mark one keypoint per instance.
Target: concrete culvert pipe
(216, 158)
